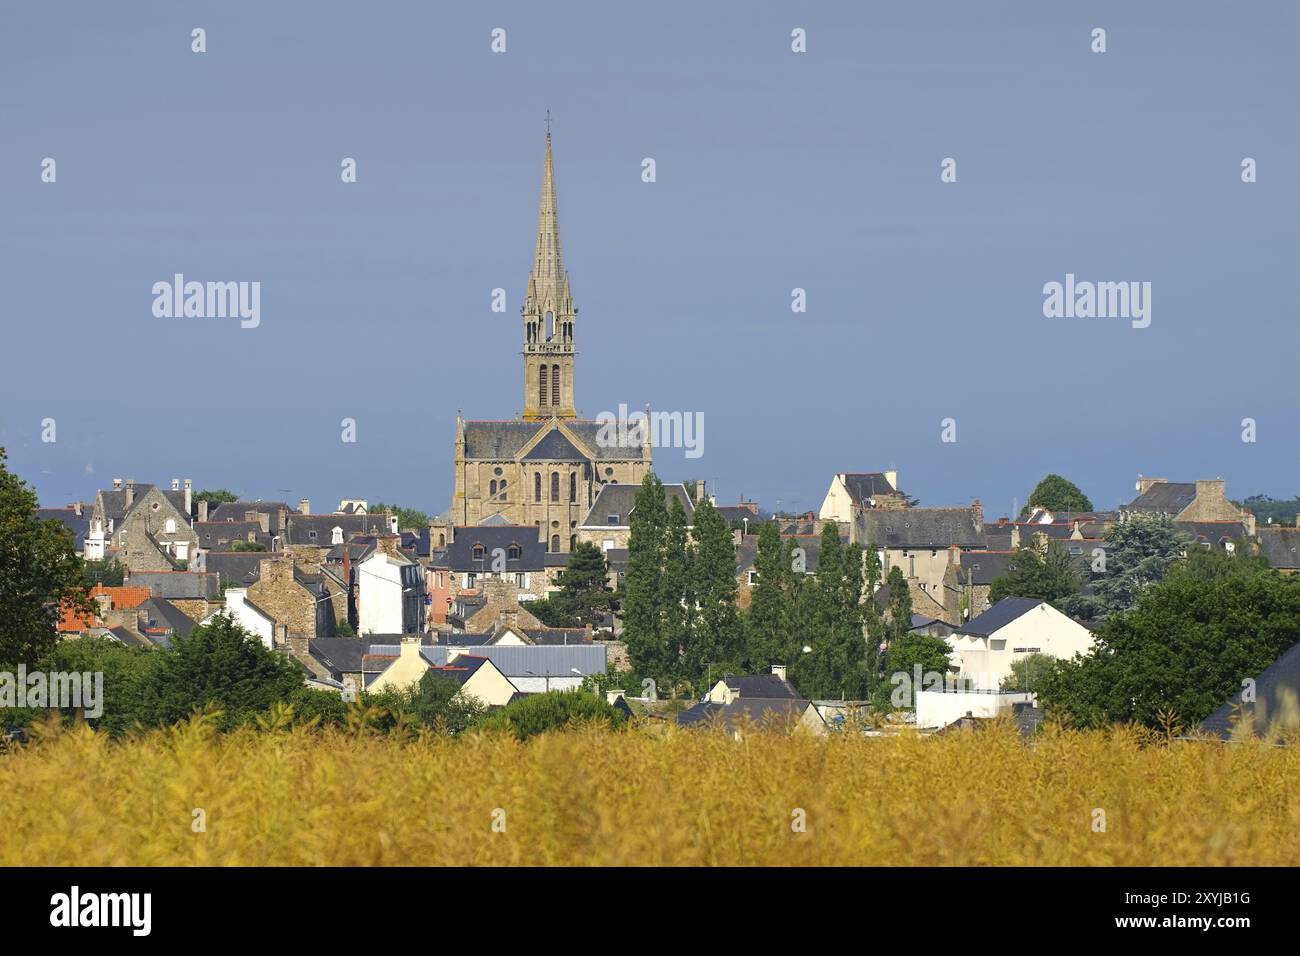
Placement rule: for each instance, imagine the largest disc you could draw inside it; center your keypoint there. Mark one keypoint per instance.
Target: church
(546, 467)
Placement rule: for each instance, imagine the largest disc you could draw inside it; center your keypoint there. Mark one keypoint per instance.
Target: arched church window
(555, 385)
(537, 486)
(541, 385)
(492, 488)
(555, 486)
(555, 542)
(573, 486)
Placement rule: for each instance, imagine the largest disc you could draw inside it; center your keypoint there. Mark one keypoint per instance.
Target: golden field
(590, 796)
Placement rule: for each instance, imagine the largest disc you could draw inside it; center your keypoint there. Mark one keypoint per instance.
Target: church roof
(503, 440)
(613, 506)
(554, 447)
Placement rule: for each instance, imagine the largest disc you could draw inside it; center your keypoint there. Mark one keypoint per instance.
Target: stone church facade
(546, 467)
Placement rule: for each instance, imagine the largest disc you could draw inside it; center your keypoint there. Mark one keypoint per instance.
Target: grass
(589, 796)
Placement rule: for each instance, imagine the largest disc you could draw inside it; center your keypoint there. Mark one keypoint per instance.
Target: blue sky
(775, 170)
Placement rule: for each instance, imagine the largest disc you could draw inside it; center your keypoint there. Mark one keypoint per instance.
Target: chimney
(1144, 484)
(76, 507)
(1015, 536)
(699, 491)
(978, 508)
(1210, 489)
(250, 514)
(189, 497)
(264, 519)
(410, 648)
(304, 506)
(130, 492)
(176, 484)
(117, 484)
(891, 476)
(203, 510)
(778, 670)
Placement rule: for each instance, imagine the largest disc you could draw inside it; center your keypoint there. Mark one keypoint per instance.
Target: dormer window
(336, 535)
(515, 552)
(477, 552)
(611, 519)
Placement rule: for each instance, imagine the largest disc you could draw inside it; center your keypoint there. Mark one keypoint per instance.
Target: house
(806, 549)
(1281, 546)
(608, 523)
(75, 517)
(1011, 630)
(1267, 706)
(390, 596)
(926, 544)
(477, 674)
(1202, 500)
(285, 605)
(142, 526)
(851, 493)
(249, 616)
(741, 515)
(760, 700)
(505, 552)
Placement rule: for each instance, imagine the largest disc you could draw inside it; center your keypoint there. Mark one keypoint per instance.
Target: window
(336, 535)
(170, 526)
(555, 487)
(753, 578)
(471, 580)
(541, 385)
(477, 552)
(1026, 650)
(555, 542)
(442, 541)
(555, 385)
(311, 535)
(611, 519)
(502, 488)
(573, 486)
(537, 486)
(573, 542)
(492, 488)
(607, 544)
(515, 552)
(521, 580)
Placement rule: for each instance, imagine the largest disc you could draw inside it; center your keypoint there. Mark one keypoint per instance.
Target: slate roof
(300, 527)
(238, 568)
(920, 528)
(761, 711)
(461, 669)
(342, 655)
(533, 661)
(123, 636)
(983, 566)
(619, 499)
(554, 447)
(1281, 546)
(1277, 690)
(811, 544)
(460, 552)
(219, 535)
(237, 510)
(162, 613)
(867, 484)
(1215, 533)
(999, 616)
(503, 440)
(762, 686)
(177, 584)
(78, 525)
(1164, 497)
(736, 514)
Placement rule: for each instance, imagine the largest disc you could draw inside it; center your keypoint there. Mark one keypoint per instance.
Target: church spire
(548, 313)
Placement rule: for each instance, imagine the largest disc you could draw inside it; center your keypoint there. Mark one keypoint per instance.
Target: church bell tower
(549, 316)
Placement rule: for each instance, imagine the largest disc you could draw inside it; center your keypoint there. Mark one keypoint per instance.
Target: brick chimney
(1210, 489)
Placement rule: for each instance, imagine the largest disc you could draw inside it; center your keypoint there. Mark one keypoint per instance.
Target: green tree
(247, 546)
(408, 518)
(1040, 570)
(584, 596)
(830, 615)
(552, 711)
(1058, 494)
(122, 669)
(1139, 552)
(216, 496)
(677, 608)
(1184, 648)
(219, 663)
(39, 572)
(1029, 673)
(109, 573)
(435, 701)
(643, 583)
(717, 636)
(767, 636)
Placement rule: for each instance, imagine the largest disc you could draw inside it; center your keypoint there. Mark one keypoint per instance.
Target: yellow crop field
(191, 796)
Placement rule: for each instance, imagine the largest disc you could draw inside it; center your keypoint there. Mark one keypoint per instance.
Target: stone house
(142, 526)
(851, 493)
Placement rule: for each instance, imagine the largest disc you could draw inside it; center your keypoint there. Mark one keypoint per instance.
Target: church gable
(498, 441)
(555, 446)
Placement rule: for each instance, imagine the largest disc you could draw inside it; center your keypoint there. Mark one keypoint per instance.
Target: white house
(248, 616)
(390, 595)
(1010, 630)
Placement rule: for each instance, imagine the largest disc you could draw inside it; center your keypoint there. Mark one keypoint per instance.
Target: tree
(219, 663)
(553, 711)
(406, 517)
(1139, 552)
(830, 615)
(109, 573)
(122, 669)
(1028, 673)
(40, 572)
(435, 701)
(643, 583)
(247, 546)
(1058, 494)
(677, 607)
(1037, 570)
(216, 496)
(768, 639)
(717, 635)
(584, 596)
(1184, 648)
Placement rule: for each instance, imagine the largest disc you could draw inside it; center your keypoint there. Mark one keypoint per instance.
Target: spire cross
(548, 122)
